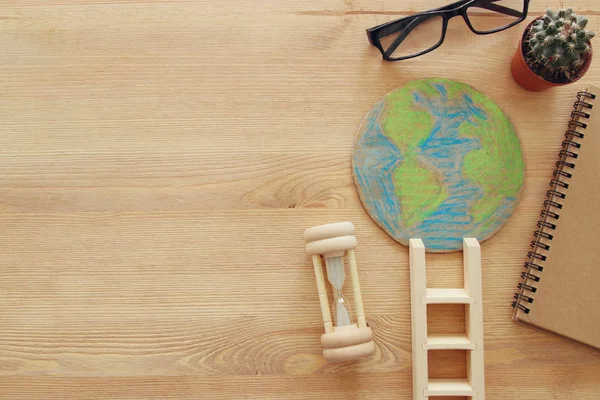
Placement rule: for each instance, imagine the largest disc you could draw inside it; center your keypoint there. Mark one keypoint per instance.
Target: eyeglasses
(423, 32)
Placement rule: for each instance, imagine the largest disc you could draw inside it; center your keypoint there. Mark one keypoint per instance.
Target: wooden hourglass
(346, 340)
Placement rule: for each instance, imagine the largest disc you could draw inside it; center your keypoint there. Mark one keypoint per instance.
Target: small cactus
(559, 42)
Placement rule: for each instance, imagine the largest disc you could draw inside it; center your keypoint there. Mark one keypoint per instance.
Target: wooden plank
(418, 313)
(454, 341)
(474, 316)
(447, 296)
(449, 387)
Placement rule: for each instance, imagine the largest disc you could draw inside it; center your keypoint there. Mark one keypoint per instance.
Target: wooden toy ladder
(472, 341)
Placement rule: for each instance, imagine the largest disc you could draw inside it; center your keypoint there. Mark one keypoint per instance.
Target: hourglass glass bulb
(336, 276)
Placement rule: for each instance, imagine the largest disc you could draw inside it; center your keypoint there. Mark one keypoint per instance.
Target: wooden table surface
(159, 162)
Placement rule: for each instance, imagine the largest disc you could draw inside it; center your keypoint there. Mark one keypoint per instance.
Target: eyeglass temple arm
(489, 5)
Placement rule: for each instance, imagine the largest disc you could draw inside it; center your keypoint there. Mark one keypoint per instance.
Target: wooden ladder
(472, 340)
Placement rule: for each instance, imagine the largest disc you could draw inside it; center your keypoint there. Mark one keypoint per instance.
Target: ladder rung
(447, 296)
(449, 341)
(449, 387)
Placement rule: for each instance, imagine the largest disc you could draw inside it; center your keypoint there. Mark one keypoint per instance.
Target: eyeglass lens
(421, 33)
(487, 16)
(414, 36)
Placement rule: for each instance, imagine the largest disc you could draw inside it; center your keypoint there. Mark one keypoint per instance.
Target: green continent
(404, 122)
(419, 191)
(498, 165)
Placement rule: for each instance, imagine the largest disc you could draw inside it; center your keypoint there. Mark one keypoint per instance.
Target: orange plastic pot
(528, 79)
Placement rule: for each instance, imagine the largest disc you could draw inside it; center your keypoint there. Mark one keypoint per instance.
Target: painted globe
(438, 160)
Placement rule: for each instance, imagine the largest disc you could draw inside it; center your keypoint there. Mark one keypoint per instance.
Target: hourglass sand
(346, 340)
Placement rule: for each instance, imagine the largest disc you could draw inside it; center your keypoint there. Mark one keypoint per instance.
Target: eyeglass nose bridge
(456, 13)
(453, 13)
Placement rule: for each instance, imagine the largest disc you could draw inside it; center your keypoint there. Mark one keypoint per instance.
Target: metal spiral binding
(559, 184)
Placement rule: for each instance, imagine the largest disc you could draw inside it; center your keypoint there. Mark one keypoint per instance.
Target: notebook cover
(567, 299)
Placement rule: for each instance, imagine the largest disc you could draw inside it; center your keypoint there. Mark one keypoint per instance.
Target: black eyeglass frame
(447, 12)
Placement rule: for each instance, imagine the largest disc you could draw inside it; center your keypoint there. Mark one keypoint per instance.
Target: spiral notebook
(560, 289)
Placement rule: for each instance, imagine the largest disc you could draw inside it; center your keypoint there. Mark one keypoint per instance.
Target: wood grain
(159, 162)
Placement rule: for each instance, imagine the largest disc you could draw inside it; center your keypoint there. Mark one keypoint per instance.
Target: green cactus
(558, 41)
